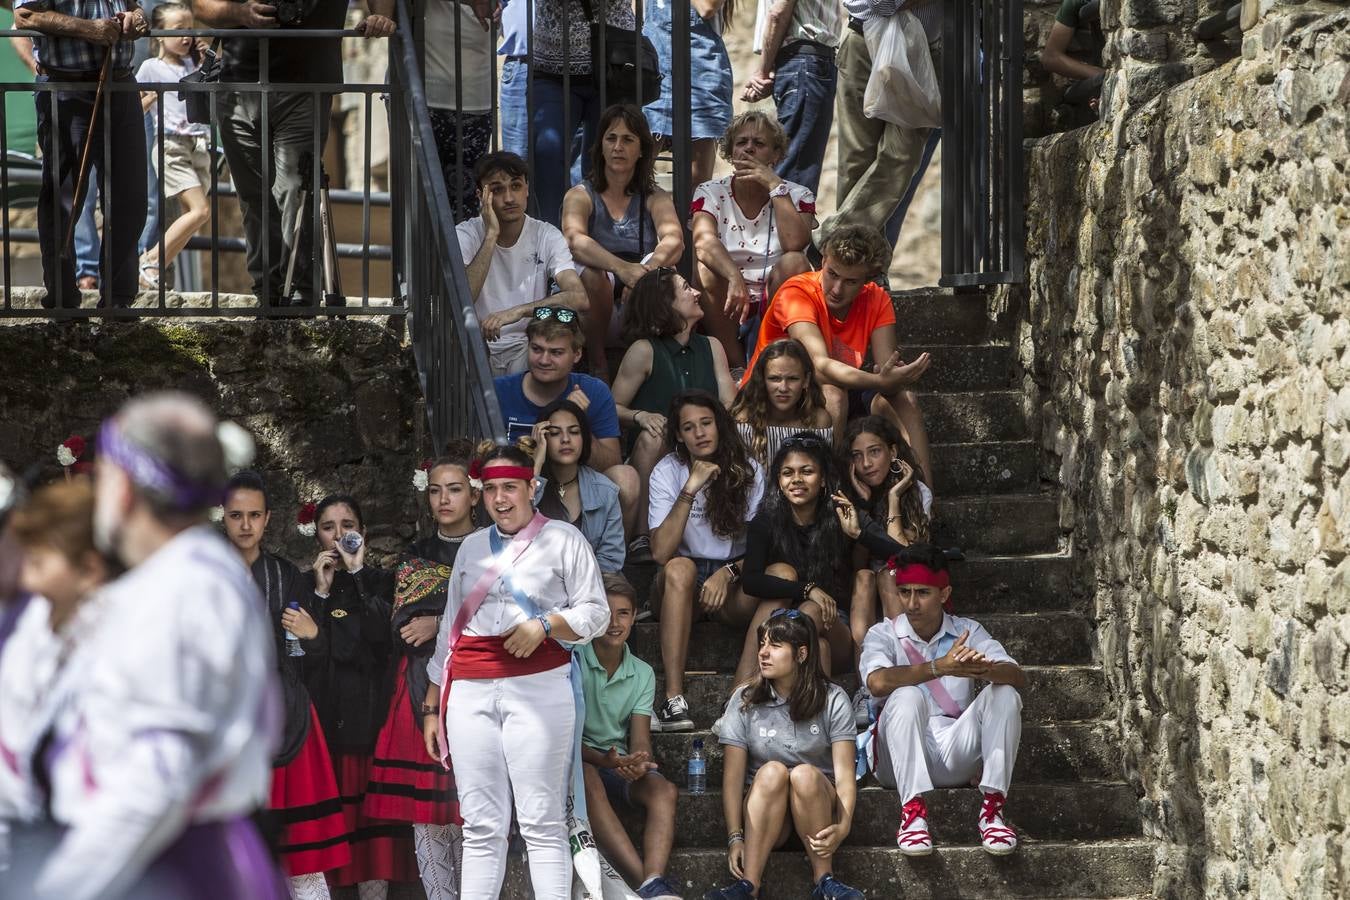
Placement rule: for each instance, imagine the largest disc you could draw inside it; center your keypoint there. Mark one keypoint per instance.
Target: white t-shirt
(752, 243)
(155, 71)
(518, 274)
(477, 66)
(699, 541)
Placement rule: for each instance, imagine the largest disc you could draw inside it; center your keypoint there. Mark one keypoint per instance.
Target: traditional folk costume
(512, 723)
(941, 733)
(348, 682)
(154, 744)
(304, 798)
(406, 785)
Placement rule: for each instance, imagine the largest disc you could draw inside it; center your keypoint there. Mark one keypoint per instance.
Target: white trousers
(513, 736)
(919, 751)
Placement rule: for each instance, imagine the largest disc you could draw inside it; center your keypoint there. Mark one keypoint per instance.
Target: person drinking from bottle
(502, 701)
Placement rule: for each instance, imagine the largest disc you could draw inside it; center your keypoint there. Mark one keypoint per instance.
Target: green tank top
(674, 369)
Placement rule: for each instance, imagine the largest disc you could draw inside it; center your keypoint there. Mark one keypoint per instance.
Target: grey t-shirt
(768, 734)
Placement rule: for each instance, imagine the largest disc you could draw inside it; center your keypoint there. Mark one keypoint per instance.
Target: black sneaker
(673, 716)
(831, 888)
(639, 550)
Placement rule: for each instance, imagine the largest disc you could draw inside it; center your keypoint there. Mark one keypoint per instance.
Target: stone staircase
(1079, 822)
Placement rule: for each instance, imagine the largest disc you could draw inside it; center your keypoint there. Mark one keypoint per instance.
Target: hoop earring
(896, 468)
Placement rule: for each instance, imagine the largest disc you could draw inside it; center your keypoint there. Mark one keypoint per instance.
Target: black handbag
(621, 62)
(198, 103)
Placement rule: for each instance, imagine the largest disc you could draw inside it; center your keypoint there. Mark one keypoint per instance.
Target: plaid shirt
(72, 53)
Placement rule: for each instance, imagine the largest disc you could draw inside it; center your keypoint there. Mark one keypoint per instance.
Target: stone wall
(333, 405)
(1186, 353)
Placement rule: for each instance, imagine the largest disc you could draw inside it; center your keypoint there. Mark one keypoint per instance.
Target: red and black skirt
(382, 850)
(304, 798)
(407, 785)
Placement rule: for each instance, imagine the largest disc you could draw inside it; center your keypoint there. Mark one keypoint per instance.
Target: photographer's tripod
(332, 277)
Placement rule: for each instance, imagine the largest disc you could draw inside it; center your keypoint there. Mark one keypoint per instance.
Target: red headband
(525, 473)
(917, 573)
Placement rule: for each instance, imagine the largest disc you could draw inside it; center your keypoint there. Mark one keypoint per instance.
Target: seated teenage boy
(616, 750)
(936, 728)
(510, 257)
(554, 341)
(839, 315)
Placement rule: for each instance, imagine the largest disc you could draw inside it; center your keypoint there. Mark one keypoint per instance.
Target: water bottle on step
(698, 769)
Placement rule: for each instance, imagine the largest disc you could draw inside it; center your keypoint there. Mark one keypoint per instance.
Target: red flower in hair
(75, 444)
(306, 514)
(425, 465)
(476, 469)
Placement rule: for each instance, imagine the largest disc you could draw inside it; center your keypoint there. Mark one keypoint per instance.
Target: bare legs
(600, 293)
(654, 794)
(196, 213)
(677, 612)
(781, 801)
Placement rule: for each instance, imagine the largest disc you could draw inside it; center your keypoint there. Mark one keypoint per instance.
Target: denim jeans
(88, 247)
(803, 91)
(515, 117)
(150, 234)
(553, 138)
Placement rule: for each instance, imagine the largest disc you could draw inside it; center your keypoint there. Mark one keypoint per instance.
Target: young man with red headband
(934, 729)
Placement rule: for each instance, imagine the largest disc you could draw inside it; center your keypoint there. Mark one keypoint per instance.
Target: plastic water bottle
(351, 541)
(293, 647)
(698, 769)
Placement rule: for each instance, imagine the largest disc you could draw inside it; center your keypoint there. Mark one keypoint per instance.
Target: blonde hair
(159, 15)
(761, 120)
(858, 244)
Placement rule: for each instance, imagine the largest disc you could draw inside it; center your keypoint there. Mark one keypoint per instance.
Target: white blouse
(558, 572)
(167, 715)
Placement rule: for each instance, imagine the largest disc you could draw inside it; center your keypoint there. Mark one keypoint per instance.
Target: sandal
(149, 281)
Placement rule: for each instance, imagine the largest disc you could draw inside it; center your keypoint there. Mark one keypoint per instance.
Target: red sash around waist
(487, 657)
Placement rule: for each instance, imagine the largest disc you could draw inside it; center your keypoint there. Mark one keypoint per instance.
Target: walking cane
(83, 174)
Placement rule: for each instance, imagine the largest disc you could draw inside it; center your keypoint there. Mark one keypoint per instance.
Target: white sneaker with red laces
(913, 838)
(995, 835)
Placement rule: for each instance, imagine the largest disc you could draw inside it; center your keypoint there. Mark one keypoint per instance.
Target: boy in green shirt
(616, 750)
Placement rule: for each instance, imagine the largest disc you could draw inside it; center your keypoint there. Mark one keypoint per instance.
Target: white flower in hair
(217, 514)
(64, 456)
(6, 492)
(420, 480)
(237, 445)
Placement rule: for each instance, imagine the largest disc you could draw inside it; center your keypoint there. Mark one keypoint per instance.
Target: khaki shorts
(187, 164)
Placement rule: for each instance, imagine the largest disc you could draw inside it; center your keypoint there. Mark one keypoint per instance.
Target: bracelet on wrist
(734, 837)
(733, 572)
(687, 495)
(932, 668)
(806, 591)
(548, 626)
(428, 710)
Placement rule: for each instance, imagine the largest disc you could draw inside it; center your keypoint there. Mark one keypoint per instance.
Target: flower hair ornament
(304, 520)
(70, 455)
(476, 475)
(217, 514)
(422, 476)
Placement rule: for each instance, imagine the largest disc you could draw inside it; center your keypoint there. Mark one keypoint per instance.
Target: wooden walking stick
(85, 160)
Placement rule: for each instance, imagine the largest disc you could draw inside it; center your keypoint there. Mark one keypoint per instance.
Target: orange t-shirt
(802, 299)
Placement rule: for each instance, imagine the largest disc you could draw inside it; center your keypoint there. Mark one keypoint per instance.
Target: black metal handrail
(982, 174)
(452, 362)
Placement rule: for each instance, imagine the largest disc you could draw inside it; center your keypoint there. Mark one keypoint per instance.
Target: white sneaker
(862, 711)
(913, 838)
(995, 835)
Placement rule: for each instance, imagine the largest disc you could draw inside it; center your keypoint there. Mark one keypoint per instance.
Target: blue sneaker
(831, 888)
(737, 890)
(658, 889)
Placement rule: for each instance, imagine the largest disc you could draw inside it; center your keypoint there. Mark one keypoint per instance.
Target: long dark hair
(818, 552)
(729, 494)
(753, 399)
(649, 311)
(644, 174)
(912, 517)
(551, 503)
(810, 689)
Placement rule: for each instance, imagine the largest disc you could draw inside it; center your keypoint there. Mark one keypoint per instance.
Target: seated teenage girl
(780, 398)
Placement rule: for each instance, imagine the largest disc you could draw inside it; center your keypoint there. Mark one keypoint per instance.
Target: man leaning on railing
(88, 41)
(284, 147)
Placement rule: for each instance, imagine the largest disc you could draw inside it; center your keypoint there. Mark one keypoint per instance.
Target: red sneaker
(913, 838)
(995, 835)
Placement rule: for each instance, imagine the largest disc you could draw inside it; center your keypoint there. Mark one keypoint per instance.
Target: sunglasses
(561, 313)
(792, 614)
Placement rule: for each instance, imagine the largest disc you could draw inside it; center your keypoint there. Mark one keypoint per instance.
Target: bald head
(179, 433)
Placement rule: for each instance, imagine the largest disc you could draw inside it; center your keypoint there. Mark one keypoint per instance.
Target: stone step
(963, 367)
(1062, 751)
(985, 467)
(1043, 638)
(944, 317)
(1048, 812)
(998, 523)
(1050, 869)
(973, 416)
(1053, 694)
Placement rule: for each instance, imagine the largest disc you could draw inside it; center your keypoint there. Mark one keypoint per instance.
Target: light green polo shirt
(611, 702)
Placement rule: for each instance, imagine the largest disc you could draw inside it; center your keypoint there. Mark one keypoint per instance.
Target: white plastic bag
(593, 878)
(903, 88)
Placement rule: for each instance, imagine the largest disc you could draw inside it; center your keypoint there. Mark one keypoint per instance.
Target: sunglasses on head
(561, 313)
(792, 614)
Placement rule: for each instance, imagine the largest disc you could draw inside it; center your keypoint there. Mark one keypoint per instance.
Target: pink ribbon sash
(520, 542)
(935, 689)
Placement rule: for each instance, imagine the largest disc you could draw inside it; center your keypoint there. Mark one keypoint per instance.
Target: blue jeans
(150, 233)
(803, 91)
(88, 247)
(515, 118)
(553, 138)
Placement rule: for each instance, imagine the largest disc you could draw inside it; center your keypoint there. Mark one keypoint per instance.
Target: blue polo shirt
(520, 414)
(611, 702)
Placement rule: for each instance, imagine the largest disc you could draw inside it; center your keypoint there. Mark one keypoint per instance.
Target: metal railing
(19, 175)
(452, 362)
(983, 240)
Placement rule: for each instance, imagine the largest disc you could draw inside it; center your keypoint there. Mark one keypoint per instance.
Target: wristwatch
(780, 191)
(548, 626)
